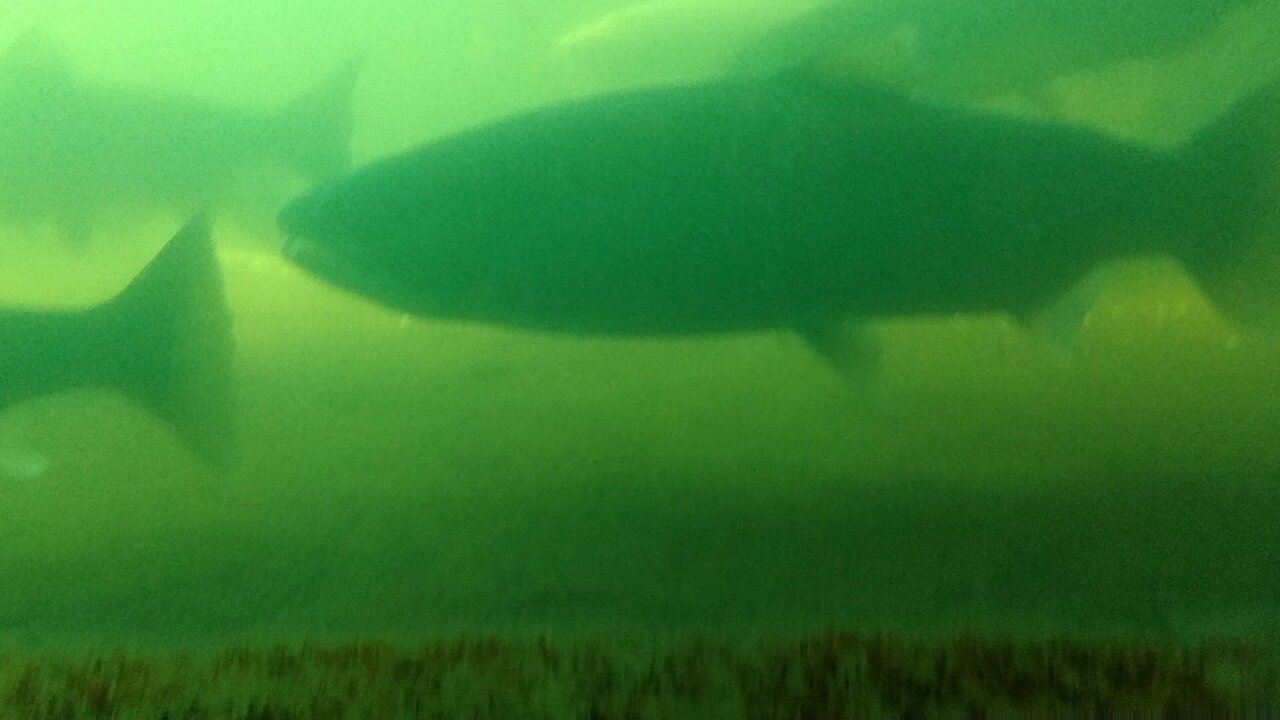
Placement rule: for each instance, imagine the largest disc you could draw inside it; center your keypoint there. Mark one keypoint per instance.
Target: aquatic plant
(825, 675)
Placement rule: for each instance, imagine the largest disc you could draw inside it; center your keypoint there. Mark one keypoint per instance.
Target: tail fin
(1246, 140)
(1240, 152)
(178, 361)
(315, 128)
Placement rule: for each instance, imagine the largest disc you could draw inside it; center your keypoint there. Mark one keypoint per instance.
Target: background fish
(968, 48)
(76, 153)
(959, 49)
(165, 341)
(662, 42)
(786, 203)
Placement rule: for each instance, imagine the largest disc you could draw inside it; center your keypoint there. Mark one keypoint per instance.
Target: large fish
(968, 48)
(665, 42)
(954, 49)
(165, 341)
(784, 203)
(76, 153)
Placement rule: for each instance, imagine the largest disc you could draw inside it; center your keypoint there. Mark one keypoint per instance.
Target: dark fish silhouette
(976, 47)
(165, 341)
(74, 153)
(786, 203)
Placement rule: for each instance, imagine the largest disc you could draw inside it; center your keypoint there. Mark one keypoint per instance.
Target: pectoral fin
(851, 347)
(1061, 323)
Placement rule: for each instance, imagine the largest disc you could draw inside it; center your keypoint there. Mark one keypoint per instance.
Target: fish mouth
(323, 261)
(302, 252)
(343, 270)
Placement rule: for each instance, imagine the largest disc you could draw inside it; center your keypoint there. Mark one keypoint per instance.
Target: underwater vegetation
(824, 675)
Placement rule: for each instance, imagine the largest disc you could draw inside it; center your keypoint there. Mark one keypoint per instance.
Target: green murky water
(403, 476)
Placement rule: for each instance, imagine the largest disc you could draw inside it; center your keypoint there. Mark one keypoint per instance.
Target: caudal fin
(314, 129)
(179, 352)
(1240, 265)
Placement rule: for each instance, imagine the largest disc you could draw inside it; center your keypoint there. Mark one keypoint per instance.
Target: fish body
(664, 42)
(954, 49)
(165, 341)
(75, 154)
(740, 205)
(976, 48)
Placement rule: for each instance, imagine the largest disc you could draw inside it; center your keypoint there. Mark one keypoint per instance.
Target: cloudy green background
(406, 477)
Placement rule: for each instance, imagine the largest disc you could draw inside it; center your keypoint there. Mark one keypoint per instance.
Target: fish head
(345, 270)
(345, 253)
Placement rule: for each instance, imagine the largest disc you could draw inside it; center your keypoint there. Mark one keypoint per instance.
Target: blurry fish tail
(1239, 155)
(1244, 144)
(314, 129)
(178, 362)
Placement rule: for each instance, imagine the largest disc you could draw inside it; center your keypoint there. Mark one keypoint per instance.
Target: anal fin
(850, 347)
(1062, 322)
